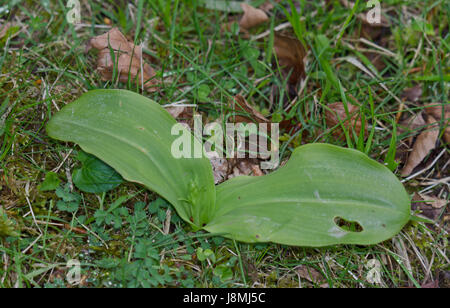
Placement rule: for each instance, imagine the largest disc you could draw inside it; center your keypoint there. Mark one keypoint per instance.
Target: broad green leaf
(51, 182)
(300, 203)
(132, 134)
(95, 176)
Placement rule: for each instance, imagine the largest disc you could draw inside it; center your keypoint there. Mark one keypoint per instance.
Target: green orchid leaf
(95, 176)
(324, 195)
(132, 134)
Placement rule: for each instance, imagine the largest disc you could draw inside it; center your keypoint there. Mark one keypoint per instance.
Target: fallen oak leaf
(425, 142)
(125, 59)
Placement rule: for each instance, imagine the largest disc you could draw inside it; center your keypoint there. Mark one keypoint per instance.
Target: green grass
(124, 237)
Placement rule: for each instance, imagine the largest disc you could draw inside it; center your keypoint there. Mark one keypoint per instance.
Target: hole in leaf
(351, 226)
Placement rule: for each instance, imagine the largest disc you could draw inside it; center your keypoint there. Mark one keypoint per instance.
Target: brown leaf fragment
(246, 167)
(412, 94)
(266, 6)
(127, 61)
(425, 142)
(335, 113)
(290, 54)
(435, 202)
(436, 112)
(113, 38)
(220, 168)
(425, 208)
(413, 124)
(245, 112)
(311, 274)
(183, 113)
(252, 17)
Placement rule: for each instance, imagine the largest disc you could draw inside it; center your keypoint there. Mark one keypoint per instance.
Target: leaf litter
(119, 57)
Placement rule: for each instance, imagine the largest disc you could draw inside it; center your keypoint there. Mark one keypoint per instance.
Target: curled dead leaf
(291, 55)
(425, 142)
(252, 17)
(125, 60)
(335, 113)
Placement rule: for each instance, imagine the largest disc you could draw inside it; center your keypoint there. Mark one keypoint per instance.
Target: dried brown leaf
(290, 54)
(412, 94)
(311, 274)
(127, 61)
(245, 112)
(436, 112)
(220, 168)
(175, 111)
(335, 113)
(413, 123)
(435, 202)
(425, 142)
(252, 17)
(266, 6)
(246, 167)
(426, 209)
